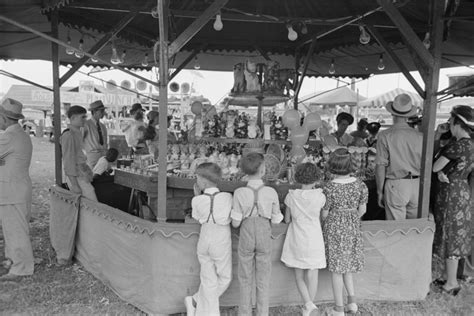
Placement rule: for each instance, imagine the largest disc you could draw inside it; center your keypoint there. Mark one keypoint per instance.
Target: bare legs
(451, 273)
(307, 283)
(339, 281)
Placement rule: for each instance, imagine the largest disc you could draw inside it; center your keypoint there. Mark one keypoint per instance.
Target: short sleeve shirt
(201, 207)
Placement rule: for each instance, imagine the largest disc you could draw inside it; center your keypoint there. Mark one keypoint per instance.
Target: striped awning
(381, 100)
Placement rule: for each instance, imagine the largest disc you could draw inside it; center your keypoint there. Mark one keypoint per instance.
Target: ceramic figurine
(253, 129)
(251, 77)
(230, 129)
(239, 79)
(234, 161)
(198, 127)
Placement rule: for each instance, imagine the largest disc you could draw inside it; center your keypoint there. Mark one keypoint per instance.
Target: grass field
(72, 290)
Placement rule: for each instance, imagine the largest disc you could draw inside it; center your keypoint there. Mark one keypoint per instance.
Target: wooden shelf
(256, 99)
(244, 141)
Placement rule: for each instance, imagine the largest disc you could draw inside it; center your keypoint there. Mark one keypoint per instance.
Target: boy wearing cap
(95, 134)
(78, 173)
(399, 162)
(15, 191)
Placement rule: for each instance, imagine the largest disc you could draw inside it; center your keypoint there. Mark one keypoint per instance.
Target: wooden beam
(379, 38)
(187, 60)
(195, 27)
(163, 109)
(56, 99)
(13, 76)
(99, 45)
(305, 69)
(429, 110)
(422, 68)
(262, 52)
(407, 31)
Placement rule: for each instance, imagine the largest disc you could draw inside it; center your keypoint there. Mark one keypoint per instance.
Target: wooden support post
(407, 32)
(305, 69)
(382, 42)
(99, 45)
(163, 108)
(57, 100)
(429, 110)
(186, 61)
(197, 25)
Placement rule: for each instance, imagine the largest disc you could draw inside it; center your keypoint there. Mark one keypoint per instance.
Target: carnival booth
(148, 257)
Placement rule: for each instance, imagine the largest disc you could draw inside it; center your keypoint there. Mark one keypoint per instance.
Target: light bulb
(304, 29)
(427, 41)
(218, 23)
(80, 52)
(381, 65)
(145, 61)
(332, 69)
(122, 57)
(115, 58)
(364, 36)
(94, 59)
(196, 64)
(69, 51)
(292, 35)
(154, 12)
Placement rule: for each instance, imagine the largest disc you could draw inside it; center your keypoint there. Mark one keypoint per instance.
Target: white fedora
(12, 109)
(401, 106)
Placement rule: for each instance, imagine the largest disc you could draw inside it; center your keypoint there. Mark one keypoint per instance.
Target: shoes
(7, 263)
(11, 277)
(439, 282)
(190, 309)
(336, 313)
(311, 310)
(351, 308)
(454, 291)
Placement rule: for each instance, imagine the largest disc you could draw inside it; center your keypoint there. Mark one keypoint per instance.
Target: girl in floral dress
(454, 165)
(303, 249)
(346, 199)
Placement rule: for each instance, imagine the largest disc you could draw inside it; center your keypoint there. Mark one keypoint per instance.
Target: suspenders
(255, 199)
(211, 208)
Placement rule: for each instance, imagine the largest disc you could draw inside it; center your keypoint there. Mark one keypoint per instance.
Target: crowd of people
(324, 223)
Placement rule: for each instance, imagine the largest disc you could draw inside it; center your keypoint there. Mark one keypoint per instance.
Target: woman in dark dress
(453, 199)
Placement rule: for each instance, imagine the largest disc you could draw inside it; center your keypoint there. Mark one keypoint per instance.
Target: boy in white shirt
(255, 207)
(105, 163)
(211, 208)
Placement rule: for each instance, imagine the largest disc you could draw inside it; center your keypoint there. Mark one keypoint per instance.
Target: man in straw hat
(15, 191)
(399, 162)
(95, 134)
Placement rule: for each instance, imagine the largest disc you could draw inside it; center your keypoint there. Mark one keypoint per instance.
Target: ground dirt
(72, 290)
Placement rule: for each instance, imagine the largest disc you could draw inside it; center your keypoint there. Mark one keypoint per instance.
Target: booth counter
(153, 266)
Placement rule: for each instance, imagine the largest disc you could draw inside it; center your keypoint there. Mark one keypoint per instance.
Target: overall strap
(255, 199)
(211, 208)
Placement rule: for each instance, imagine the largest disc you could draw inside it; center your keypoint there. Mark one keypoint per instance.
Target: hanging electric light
(292, 35)
(381, 65)
(304, 28)
(364, 36)
(332, 68)
(115, 57)
(197, 66)
(122, 57)
(94, 59)
(154, 12)
(69, 50)
(80, 52)
(426, 40)
(145, 61)
(218, 26)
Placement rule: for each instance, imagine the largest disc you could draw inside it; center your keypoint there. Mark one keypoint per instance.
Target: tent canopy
(254, 30)
(381, 100)
(340, 96)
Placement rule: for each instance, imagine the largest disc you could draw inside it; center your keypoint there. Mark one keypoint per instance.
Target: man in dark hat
(15, 191)
(95, 134)
(399, 162)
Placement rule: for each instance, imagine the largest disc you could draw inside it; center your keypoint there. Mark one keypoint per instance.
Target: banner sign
(85, 98)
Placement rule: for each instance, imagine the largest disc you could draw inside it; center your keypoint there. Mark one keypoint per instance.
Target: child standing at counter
(255, 207)
(346, 202)
(211, 208)
(303, 249)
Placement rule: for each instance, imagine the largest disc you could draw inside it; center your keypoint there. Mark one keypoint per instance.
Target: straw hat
(12, 109)
(96, 105)
(401, 106)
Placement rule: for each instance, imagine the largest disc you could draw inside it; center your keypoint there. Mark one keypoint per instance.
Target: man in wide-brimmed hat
(95, 134)
(15, 191)
(399, 162)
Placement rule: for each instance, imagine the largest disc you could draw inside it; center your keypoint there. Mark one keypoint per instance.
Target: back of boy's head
(307, 173)
(251, 163)
(340, 162)
(111, 155)
(209, 171)
(74, 110)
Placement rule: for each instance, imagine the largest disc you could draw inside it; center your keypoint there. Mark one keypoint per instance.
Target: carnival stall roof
(260, 30)
(381, 100)
(339, 96)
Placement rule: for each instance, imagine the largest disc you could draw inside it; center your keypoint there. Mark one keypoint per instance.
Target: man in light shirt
(398, 162)
(15, 191)
(95, 134)
(135, 130)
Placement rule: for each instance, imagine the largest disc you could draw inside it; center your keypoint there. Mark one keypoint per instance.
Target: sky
(212, 85)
